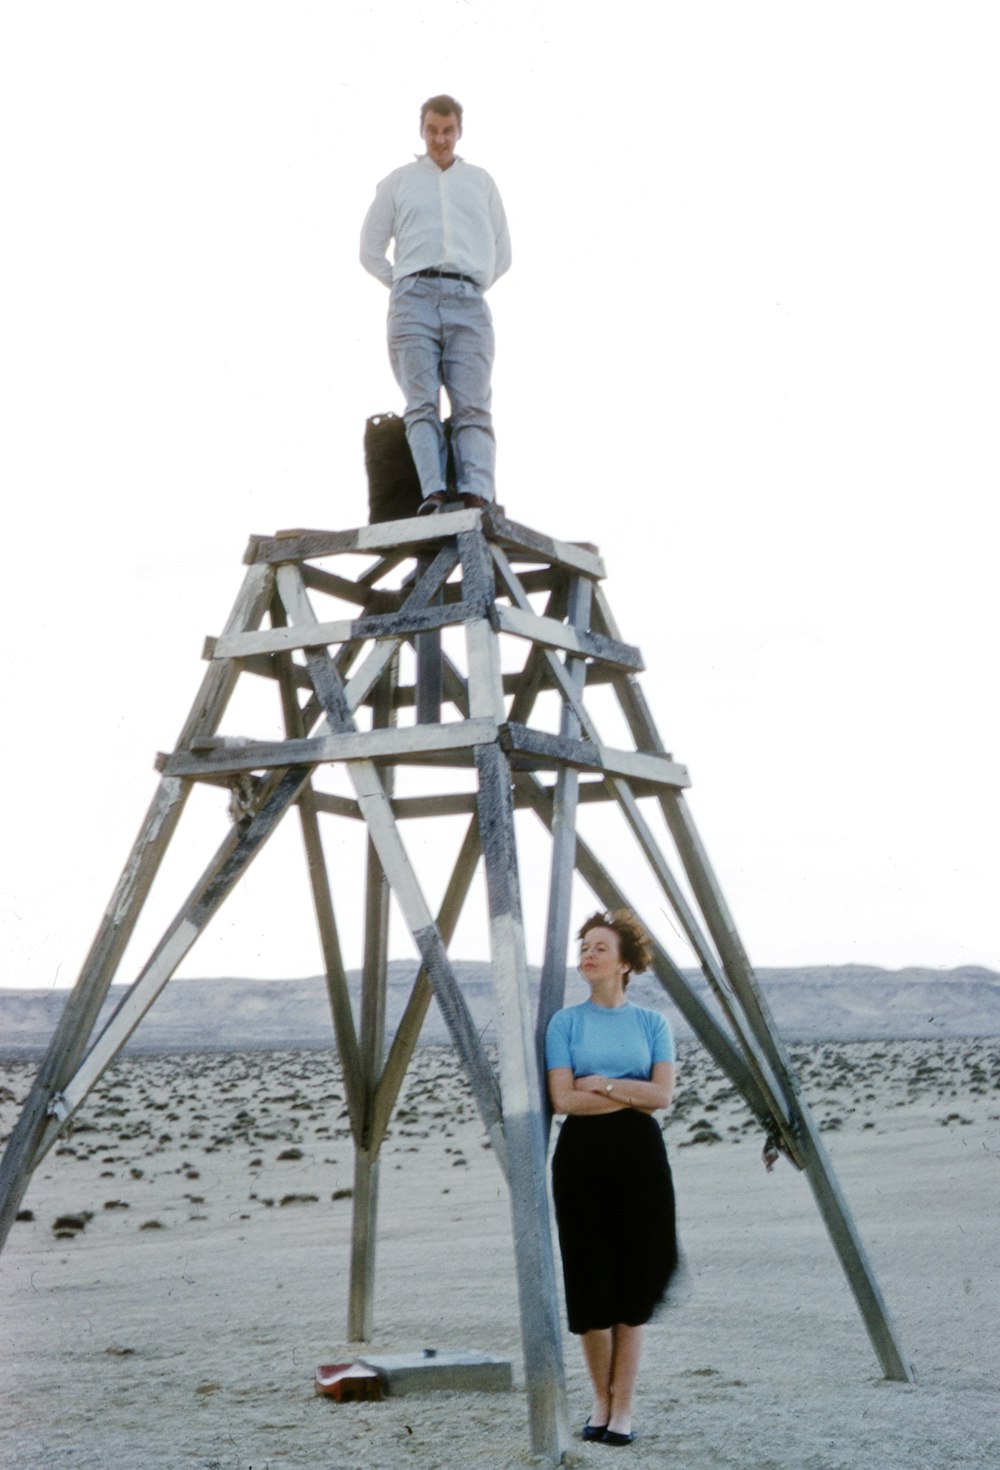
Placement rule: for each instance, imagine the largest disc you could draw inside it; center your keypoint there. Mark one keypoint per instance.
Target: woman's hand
(570, 1096)
(590, 1094)
(591, 1084)
(629, 1092)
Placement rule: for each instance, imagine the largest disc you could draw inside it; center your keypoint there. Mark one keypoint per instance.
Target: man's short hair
(444, 106)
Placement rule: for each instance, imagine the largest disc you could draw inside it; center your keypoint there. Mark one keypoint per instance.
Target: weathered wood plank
(429, 674)
(521, 1086)
(565, 800)
(851, 1253)
(376, 934)
(403, 746)
(392, 536)
(550, 634)
(757, 1059)
(463, 803)
(704, 883)
(228, 865)
(336, 806)
(364, 1220)
(217, 685)
(361, 1293)
(478, 584)
(427, 584)
(448, 804)
(546, 579)
(833, 1207)
(559, 749)
(79, 1016)
(596, 674)
(334, 972)
(485, 688)
(519, 1074)
(412, 1019)
(572, 556)
(380, 568)
(536, 673)
(402, 624)
(455, 687)
(569, 686)
(318, 579)
(262, 667)
(377, 811)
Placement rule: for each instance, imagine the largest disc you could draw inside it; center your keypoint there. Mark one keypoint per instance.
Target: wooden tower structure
(474, 651)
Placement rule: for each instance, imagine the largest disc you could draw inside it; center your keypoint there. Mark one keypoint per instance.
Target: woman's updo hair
(634, 944)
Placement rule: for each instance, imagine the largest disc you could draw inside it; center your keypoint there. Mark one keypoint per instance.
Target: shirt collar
(426, 158)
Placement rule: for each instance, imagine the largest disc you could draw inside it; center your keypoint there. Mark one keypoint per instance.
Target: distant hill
(816, 1003)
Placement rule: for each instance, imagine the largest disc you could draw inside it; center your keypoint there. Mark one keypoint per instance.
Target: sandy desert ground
(181, 1326)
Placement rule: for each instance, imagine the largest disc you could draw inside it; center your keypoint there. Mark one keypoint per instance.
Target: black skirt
(614, 1199)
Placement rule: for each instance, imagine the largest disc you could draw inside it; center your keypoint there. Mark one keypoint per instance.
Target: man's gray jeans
(441, 335)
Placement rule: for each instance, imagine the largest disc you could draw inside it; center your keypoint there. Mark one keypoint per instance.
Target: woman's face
(600, 957)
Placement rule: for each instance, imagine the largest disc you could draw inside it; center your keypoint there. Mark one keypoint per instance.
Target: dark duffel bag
(393, 486)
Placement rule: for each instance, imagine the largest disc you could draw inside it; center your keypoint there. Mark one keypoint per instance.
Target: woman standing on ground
(610, 1067)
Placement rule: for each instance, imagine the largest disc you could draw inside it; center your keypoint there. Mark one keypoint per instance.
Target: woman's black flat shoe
(594, 1431)
(612, 1436)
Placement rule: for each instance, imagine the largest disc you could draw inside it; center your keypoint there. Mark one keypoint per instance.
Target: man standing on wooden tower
(452, 243)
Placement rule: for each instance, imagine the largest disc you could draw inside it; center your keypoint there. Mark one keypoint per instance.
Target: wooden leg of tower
(770, 1075)
(83, 1007)
(809, 1147)
(216, 883)
(79, 1016)
(319, 881)
(361, 1301)
(364, 1228)
(564, 808)
(412, 1019)
(520, 1083)
(522, 1106)
(851, 1253)
(429, 668)
(373, 998)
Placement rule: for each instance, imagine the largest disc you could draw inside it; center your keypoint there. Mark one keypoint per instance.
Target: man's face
(441, 134)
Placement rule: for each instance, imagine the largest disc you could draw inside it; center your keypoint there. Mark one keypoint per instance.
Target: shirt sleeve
(661, 1040)
(558, 1052)
(376, 233)
(501, 233)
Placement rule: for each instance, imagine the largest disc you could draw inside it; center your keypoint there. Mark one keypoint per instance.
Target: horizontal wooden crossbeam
(389, 599)
(585, 756)
(347, 630)
(520, 542)
(419, 531)
(550, 633)
(412, 744)
(396, 537)
(416, 745)
(463, 803)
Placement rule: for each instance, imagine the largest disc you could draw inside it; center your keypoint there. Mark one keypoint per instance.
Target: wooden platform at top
(420, 533)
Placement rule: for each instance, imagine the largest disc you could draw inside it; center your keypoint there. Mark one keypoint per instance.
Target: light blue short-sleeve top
(625, 1041)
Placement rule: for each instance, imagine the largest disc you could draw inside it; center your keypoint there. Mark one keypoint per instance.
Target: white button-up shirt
(442, 218)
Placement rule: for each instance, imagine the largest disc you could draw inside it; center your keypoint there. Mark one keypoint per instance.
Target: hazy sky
(748, 346)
